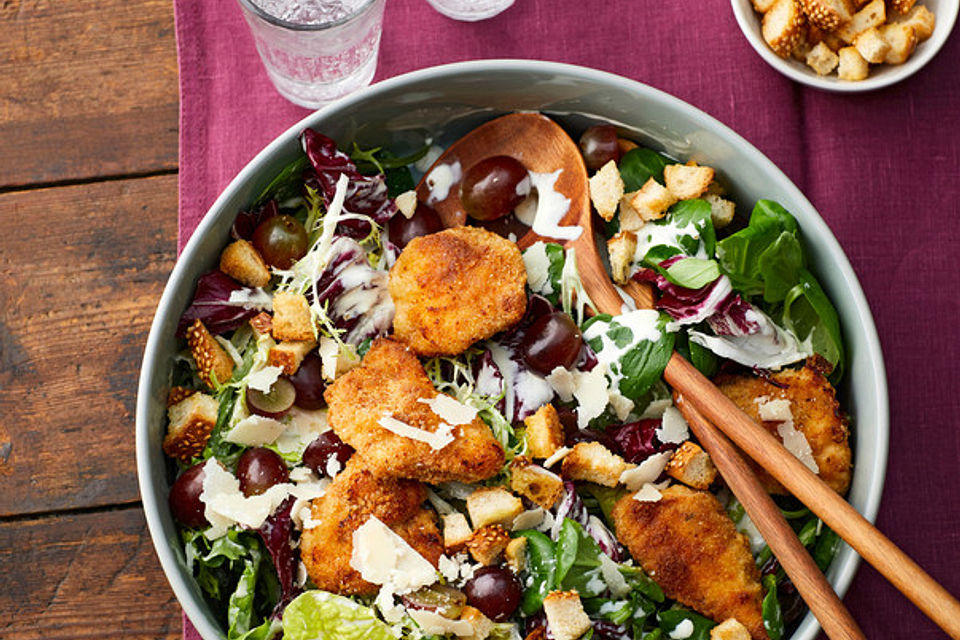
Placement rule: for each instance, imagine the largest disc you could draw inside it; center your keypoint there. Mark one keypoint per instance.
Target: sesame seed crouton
(487, 543)
(782, 26)
(544, 433)
(242, 262)
(762, 6)
(456, 532)
(606, 189)
(262, 324)
(730, 629)
(565, 615)
(482, 625)
(692, 466)
(535, 483)
(903, 41)
(826, 14)
(176, 394)
(871, 45)
(822, 60)
(191, 421)
(686, 182)
(516, 554)
(593, 462)
(621, 248)
(214, 364)
(922, 20)
(902, 6)
(721, 210)
(493, 505)
(291, 317)
(288, 355)
(873, 14)
(852, 65)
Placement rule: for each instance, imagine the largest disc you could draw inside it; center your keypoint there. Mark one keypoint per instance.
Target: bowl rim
(844, 568)
(748, 18)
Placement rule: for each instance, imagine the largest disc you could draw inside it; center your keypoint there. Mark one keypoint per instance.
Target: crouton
(822, 60)
(903, 41)
(692, 466)
(871, 45)
(407, 203)
(852, 65)
(922, 20)
(650, 202)
(782, 26)
(176, 394)
(214, 365)
(493, 505)
(799, 52)
(242, 262)
(544, 433)
(262, 324)
(624, 145)
(826, 14)
(730, 629)
(487, 543)
(291, 317)
(516, 554)
(686, 182)
(535, 483)
(873, 14)
(191, 421)
(288, 355)
(456, 532)
(482, 625)
(606, 189)
(762, 6)
(902, 6)
(565, 615)
(621, 248)
(593, 462)
(721, 210)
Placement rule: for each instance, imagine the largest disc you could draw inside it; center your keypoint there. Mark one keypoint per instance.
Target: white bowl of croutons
(846, 45)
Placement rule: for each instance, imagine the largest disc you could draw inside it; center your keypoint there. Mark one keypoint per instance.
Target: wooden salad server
(543, 146)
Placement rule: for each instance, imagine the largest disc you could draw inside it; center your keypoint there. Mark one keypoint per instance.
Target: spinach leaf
(217, 447)
(780, 266)
(542, 567)
(640, 363)
(578, 561)
(692, 273)
(772, 616)
(828, 543)
(616, 611)
(697, 213)
(398, 181)
(808, 312)
(699, 356)
(672, 618)
(551, 287)
(740, 253)
(639, 165)
(769, 211)
(287, 184)
(642, 584)
(606, 497)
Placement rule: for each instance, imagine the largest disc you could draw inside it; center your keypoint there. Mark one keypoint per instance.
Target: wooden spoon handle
(896, 566)
(836, 621)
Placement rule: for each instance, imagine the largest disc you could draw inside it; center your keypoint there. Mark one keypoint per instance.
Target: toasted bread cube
(852, 65)
(176, 394)
(516, 554)
(799, 53)
(650, 202)
(826, 14)
(902, 6)
(621, 248)
(482, 625)
(493, 505)
(214, 364)
(624, 145)
(407, 203)
(456, 532)
(822, 60)
(565, 615)
(262, 324)
(692, 466)
(593, 462)
(903, 41)
(242, 262)
(782, 26)
(191, 421)
(291, 317)
(721, 210)
(288, 355)
(873, 14)
(534, 482)
(762, 6)
(487, 543)
(922, 20)
(872, 46)
(606, 189)
(544, 433)
(730, 629)
(686, 182)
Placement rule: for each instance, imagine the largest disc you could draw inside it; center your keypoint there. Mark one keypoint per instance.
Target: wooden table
(88, 225)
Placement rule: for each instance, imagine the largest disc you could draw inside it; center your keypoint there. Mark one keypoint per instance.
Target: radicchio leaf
(637, 441)
(606, 630)
(275, 533)
(247, 222)
(212, 306)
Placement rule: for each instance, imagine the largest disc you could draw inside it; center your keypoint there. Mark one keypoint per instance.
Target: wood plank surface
(81, 271)
(86, 89)
(91, 575)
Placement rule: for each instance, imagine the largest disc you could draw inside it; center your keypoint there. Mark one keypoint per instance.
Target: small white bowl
(881, 75)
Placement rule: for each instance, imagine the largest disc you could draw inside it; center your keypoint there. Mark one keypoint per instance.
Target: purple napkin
(881, 168)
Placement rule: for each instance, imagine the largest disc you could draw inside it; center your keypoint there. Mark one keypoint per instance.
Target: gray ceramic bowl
(443, 103)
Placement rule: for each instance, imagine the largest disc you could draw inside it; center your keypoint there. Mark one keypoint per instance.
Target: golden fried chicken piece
(689, 545)
(389, 385)
(353, 496)
(815, 412)
(456, 287)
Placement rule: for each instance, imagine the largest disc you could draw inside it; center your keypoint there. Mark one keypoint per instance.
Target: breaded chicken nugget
(689, 545)
(815, 412)
(353, 496)
(456, 287)
(391, 385)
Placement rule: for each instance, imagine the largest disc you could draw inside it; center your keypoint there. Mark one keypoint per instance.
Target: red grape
(552, 341)
(309, 383)
(276, 402)
(259, 469)
(495, 591)
(327, 445)
(185, 500)
(424, 221)
(493, 187)
(599, 146)
(281, 241)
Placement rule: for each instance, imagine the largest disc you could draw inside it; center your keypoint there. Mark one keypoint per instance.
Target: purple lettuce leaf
(637, 441)
(211, 305)
(276, 532)
(247, 222)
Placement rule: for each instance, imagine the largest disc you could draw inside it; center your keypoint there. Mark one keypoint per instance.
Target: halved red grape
(441, 599)
(552, 341)
(309, 383)
(328, 445)
(185, 500)
(424, 221)
(495, 591)
(281, 241)
(258, 469)
(599, 146)
(276, 402)
(493, 187)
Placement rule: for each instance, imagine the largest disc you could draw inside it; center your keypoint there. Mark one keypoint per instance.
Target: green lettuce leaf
(319, 615)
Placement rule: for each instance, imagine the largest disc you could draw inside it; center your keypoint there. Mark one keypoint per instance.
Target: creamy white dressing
(653, 235)
(441, 179)
(551, 207)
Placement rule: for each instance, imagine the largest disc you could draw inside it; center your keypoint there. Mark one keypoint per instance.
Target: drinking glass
(316, 51)
(470, 10)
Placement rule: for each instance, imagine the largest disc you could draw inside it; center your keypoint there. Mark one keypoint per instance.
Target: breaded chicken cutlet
(689, 545)
(353, 496)
(390, 383)
(456, 287)
(816, 414)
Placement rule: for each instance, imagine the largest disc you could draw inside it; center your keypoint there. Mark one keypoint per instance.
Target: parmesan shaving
(436, 439)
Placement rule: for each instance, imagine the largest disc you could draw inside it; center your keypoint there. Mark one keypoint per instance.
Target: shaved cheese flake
(648, 493)
(435, 624)
(611, 575)
(591, 394)
(383, 557)
(682, 631)
(673, 428)
(794, 440)
(646, 472)
(557, 456)
(450, 410)
(264, 379)
(436, 439)
(255, 431)
(528, 519)
(225, 505)
(774, 410)
(251, 299)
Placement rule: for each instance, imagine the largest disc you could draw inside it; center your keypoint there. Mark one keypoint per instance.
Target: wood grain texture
(89, 89)
(85, 575)
(81, 271)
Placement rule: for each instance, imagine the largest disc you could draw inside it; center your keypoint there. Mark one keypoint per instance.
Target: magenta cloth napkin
(883, 169)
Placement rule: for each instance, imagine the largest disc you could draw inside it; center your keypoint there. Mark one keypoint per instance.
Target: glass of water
(316, 51)
(470, 10)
